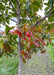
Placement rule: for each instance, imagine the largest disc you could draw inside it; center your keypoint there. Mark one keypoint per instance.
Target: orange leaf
(38, 30)
(35, 14)
(22, 52)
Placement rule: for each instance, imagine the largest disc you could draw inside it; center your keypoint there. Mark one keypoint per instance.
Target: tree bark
(20, 58)
(19, 40)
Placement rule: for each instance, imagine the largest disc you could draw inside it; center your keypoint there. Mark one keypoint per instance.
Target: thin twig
(3, 24)
(13, 7)
(13, 20)
(18, 6)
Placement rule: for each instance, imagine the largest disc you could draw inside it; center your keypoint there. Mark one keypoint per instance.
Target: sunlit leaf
(1, 43)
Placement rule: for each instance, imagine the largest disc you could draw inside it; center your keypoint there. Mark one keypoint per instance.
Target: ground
(39, 64)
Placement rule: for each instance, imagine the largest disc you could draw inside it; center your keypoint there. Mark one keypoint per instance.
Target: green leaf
(12, 27)
(27, 4)
(7, 29)
(0, 55)
(51, 3)
(2, 7)
(1, 43)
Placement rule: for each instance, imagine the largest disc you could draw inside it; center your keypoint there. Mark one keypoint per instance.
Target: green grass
(8, 66)
(51, 52)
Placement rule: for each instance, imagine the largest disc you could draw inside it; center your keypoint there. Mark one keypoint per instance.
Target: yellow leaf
(40, 26)
(25, 27)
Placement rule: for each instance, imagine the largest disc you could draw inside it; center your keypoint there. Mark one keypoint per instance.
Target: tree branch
(18, 6)
(3, 24)
(42, 18)
(13, 7)
(13, 20)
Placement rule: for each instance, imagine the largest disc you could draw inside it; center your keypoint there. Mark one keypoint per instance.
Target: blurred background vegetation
(8, 66)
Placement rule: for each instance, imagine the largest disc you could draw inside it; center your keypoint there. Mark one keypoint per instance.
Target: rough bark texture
(19, 40)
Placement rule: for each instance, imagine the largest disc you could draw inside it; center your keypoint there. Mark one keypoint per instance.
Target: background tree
(32, 35)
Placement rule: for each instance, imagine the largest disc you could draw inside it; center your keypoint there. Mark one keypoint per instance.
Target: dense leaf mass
(34, 38)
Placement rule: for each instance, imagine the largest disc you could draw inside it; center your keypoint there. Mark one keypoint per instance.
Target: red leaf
(49, 40)
(24, 33)
(36, 44)
(28, 34)
(6, 48)
(42, 41)
(32, 35)
(24, 39)
(29, 39)
(25, 57)
(34, 27)
(39, 23)
(18, 32)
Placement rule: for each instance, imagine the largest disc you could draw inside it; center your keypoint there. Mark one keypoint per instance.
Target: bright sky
(40, 12)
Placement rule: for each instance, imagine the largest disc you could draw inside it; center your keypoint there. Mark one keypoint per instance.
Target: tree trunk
(19, 40)
(20, 58)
